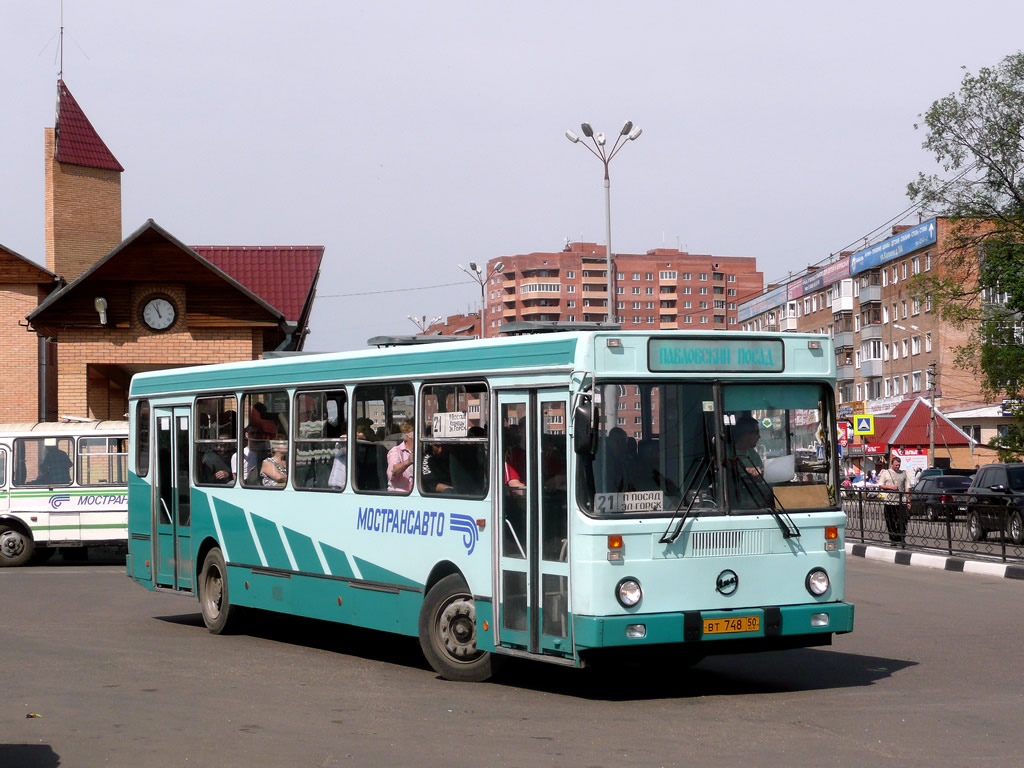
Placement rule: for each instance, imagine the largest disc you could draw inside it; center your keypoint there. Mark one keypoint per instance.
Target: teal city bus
(568, 496)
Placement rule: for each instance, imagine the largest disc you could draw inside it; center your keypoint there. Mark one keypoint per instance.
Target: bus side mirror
(584, 437)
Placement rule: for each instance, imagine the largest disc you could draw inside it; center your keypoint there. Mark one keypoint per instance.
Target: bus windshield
(661, 447)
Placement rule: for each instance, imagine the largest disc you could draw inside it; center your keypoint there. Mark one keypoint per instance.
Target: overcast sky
(410, 137)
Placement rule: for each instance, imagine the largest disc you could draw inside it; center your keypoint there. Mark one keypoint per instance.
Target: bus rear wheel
(15, 546)
(219, 614)
(447, 630)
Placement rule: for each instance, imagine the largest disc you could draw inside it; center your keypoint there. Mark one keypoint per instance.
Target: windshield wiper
(773, 505)
(668, 538)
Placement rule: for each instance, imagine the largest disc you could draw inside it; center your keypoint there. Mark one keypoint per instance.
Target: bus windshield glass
(661, 447)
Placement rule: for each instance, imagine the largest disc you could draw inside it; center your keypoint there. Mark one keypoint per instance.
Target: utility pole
(931, 430)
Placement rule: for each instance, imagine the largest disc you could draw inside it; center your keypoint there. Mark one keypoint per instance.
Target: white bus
(62, 485)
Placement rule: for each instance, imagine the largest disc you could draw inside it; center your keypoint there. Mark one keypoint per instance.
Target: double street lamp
(479, 277)
(602, 153)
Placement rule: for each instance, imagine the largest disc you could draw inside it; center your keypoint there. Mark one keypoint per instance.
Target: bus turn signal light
(831, 532)
(616, 553)
(831, 538)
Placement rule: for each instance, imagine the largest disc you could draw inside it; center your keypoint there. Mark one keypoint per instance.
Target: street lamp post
(478, 276)
(628, 133)
(421, 322)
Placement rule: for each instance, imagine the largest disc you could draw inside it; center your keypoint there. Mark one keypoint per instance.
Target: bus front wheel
(15, 546)
(447, 630)
(218, 613)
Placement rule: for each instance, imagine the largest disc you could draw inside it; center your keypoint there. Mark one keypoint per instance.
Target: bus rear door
(172, 497)
(533, 568)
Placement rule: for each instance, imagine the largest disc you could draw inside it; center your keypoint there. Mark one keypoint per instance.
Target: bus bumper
(787, 626)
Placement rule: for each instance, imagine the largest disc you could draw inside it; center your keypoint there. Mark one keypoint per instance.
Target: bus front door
(172, 499)
(533, 569)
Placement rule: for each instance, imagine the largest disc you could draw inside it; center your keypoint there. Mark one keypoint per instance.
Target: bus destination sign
(715, 355)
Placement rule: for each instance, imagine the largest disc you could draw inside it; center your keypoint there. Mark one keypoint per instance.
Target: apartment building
(660, 289)
(891, 345)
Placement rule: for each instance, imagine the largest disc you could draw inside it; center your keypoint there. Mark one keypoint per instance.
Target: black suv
(995, 502)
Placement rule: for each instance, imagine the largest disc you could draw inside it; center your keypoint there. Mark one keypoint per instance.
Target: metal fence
(910, 520)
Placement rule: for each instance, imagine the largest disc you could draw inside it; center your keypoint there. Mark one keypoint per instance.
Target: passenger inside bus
(515, 458)
(215, 466)
(250, 459)
(436, 471)
(274, 470)
(55, 468)
(400, 460)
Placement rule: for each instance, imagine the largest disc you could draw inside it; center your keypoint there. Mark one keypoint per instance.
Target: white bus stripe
(353, 566)
(256, 539)
(287, 547)
(323, 560)
(220, 535)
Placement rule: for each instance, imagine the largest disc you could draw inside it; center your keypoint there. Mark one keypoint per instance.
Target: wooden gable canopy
(151, 255)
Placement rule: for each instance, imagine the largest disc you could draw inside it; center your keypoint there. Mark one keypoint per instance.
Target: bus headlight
(817, 582)
(628, 592)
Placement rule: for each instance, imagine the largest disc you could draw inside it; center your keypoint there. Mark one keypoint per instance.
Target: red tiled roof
(77, 141)
(283, 276)
(914, 416)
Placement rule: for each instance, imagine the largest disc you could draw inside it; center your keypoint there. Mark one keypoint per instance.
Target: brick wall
(87, 392)
(83, 214)
(19, 396)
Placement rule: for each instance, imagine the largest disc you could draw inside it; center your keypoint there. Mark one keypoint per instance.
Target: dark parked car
(995, 502)
(938, 496)
(933, 471)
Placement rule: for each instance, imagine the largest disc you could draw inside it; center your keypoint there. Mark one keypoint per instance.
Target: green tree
(977, 134)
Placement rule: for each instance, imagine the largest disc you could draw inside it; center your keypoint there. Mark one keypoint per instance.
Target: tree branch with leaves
(977, 133)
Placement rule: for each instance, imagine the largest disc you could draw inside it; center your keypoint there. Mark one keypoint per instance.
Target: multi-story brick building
(663, 288)
(891, 344)
(104, 308)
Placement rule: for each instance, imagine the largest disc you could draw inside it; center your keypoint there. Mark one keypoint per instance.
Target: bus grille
(722, 543)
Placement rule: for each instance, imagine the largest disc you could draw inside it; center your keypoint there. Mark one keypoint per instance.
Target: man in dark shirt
(437, 474)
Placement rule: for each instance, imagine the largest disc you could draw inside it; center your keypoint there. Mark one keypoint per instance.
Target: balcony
(869, 332)
(537, 287)
(846, 373)
(842, 304)
(869, 294)
(844, 339)
(871, 369)
(789, 324)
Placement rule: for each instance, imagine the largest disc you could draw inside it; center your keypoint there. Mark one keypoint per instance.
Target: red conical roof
(77, 141)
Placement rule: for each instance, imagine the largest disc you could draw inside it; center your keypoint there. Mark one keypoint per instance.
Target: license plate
(732, 624)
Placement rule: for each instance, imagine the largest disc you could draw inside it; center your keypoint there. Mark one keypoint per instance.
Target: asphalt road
(933, 675)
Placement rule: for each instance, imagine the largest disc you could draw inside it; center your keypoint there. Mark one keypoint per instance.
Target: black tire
(974, 530)
(1015, 528)
(447, 631)
(219, 615)
(16, 547)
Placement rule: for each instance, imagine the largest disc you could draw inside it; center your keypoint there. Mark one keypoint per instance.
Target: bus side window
(453, 432)
(321, 440)
(379, 411)
(43, 461)
(266, 426)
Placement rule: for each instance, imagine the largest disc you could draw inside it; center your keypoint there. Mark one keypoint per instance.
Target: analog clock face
(158, 314)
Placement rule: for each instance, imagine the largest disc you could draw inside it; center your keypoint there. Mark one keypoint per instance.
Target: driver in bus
(749, 489)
